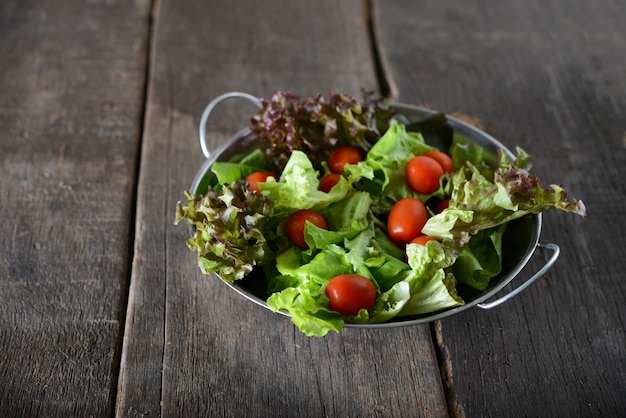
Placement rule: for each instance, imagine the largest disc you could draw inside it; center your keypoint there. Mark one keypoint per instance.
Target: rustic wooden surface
(102, 310)
(71, 110)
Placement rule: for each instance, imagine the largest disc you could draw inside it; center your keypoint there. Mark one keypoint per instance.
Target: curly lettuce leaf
(317, 125)
(478, 203)
(228, 235)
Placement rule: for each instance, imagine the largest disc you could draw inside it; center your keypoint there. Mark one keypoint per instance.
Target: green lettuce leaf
(382, 173)
(432, 294)
(304, 298)
(481, 258)
(297, 187)
(310, 316)
(422, 288)
(229, 172)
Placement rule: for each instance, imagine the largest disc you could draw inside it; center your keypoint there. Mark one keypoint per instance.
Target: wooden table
(102, 308)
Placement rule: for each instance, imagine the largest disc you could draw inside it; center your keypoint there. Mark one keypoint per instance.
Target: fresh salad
(354, 215)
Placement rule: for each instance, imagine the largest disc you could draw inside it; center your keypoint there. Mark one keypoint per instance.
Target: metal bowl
(520, 240)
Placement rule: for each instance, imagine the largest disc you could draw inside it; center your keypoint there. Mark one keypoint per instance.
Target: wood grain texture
(192, 346)
(71, 99)
(549, 76)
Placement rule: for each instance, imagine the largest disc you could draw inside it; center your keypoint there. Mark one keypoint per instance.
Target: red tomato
(349, 293)
(423, 239)
(444, 204)
(329, 181)
(443, 159)
(258, 177)
(296, 222)
(423, 174)
(342, 156)
(406, 220)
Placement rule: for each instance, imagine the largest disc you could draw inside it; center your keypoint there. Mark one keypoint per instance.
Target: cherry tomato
(258, 177)
(406, 220)
(423, 239)
(342, 156)
(443, 159)
(329, 181)
(296, 222)
(349, 293)
(444, 204)
(423, 174)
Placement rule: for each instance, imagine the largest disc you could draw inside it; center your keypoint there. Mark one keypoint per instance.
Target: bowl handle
(209, 109)
(556, 251)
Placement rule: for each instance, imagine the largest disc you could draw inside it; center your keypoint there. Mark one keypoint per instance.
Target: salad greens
(509, 192)
(236, 231)
(227, 234)
(317, 125)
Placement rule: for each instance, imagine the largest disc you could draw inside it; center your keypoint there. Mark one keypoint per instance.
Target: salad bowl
(520, 241)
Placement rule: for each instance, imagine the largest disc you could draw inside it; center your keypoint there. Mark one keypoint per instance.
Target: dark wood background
(102, 309)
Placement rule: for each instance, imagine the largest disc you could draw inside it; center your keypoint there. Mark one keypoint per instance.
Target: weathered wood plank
(545, 75)
(219, 354)
(71, 99)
